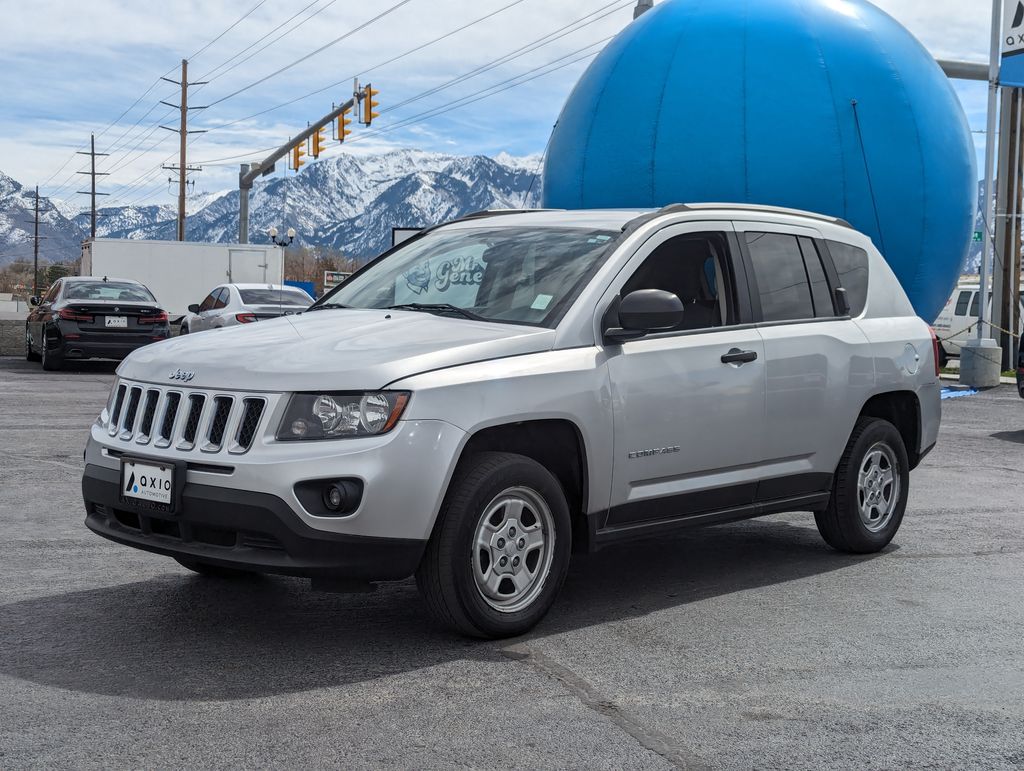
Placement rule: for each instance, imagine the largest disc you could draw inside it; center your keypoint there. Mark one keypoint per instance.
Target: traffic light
(319, 142)
(298, 153)
(343, 126)
(368, 104)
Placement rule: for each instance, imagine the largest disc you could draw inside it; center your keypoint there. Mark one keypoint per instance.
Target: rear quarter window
(851, 264)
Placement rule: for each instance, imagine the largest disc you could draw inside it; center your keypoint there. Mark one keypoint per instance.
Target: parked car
(231, 304)
(955, 325)
(92, 318)
(1020, 369)
(500, 392)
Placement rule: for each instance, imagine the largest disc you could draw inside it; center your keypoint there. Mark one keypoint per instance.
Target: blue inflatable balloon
(826, 105)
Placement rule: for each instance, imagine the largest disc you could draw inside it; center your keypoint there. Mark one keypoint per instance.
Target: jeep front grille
(185, 419)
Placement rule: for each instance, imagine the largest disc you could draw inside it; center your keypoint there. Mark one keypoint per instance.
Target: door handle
(736, 356)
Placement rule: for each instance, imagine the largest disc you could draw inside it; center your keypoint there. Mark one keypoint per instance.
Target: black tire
(841, 524)
(30, 352)
(183, 330)
(445, 576)
(211, 571)
(943, 357)
(52, 357)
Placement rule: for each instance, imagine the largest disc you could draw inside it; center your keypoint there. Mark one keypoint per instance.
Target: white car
(502, 391)
(232, 304)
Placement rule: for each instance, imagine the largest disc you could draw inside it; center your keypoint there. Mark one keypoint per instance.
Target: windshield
(513, 274)
(118, 291)
(275, 297)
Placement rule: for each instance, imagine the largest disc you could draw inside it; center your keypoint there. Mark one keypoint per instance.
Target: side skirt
(633, 531)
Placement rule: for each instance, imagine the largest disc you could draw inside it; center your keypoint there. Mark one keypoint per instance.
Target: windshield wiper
(323, 306)
(437, 308)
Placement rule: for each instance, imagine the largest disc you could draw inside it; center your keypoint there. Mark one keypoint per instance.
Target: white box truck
(179, 273)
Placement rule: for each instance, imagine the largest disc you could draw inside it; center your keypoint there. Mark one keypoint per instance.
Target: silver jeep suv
(505, 390)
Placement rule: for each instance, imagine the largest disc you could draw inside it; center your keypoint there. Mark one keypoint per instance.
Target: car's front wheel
(869, 492)
(183, 330)
(500, 551)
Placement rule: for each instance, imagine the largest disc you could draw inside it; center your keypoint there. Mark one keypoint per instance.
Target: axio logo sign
(1012, 71)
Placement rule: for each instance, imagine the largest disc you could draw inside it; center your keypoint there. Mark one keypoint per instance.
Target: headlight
(339, 415)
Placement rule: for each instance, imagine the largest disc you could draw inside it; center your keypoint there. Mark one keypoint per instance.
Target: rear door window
(781, 275)
(852, 267)
(222, 298)
(962, 302)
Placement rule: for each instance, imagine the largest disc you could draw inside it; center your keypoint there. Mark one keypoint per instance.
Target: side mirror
(645, 311)
(193, 308)
(33, 300)
(842, 302)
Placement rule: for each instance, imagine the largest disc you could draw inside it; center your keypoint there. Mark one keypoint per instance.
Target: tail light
(159, 318)
(935, 350)
(71, 315)
(245, 318)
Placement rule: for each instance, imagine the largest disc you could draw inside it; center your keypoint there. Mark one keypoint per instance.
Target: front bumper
(243, 529)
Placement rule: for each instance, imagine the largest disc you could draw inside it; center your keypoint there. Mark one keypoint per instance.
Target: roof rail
(682, 208)
(769, 210)
(496, 212)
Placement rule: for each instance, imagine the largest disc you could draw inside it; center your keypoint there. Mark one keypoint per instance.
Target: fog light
(334, 497)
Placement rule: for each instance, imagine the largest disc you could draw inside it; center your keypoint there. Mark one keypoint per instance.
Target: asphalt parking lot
(742, 646)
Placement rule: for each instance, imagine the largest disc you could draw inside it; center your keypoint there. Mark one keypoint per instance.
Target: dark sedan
(92, 318)
(1020, 369)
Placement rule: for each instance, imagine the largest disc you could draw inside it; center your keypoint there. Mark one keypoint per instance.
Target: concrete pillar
(981, 363)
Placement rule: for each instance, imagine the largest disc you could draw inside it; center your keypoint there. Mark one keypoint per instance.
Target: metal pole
(243, 205)
(642, 7)
(990, 147)
(183, 137)
(35, 250)
(92, 189)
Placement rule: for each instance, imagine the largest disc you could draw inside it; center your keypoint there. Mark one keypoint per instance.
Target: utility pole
(183, 168)
(642, 7)
(35, 249)
(92, 187)
(35, 246)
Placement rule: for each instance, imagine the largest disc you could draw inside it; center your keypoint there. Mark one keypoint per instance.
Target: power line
(311, 54)
(238, 21)
(515, 54)
(505, 85)
(142, 96)
(211, 76)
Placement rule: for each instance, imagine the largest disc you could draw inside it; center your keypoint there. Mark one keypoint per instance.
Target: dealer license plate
(147, 482)
(117, 321)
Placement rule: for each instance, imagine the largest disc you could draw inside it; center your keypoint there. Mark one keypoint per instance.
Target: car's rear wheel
(52, 354)
(211, 571)
(183, 330)
(869, 492)
(30, 352)
(500, 551)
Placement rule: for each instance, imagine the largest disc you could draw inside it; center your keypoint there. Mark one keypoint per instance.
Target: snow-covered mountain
(347, 202)
(59, 235)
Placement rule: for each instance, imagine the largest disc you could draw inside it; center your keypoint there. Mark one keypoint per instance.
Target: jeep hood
(341, 350)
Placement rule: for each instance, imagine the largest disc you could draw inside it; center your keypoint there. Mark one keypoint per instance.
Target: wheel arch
(555, 443)
(903, 410)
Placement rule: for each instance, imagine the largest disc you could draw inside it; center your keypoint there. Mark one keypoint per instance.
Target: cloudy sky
(68, 68)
